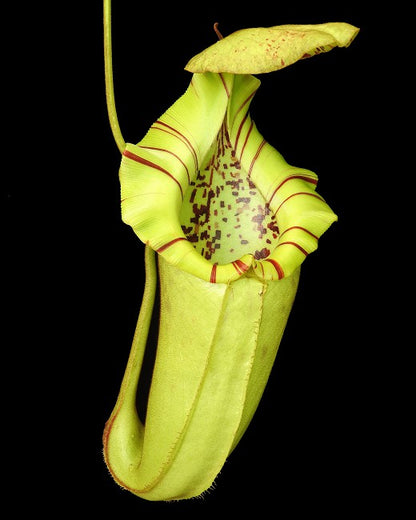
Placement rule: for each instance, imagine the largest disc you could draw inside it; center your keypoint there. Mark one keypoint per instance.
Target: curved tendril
(109, 82)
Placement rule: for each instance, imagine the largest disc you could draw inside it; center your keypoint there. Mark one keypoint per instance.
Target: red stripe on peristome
(180, 136)
(302, 177)
(246, 139)
(294, 244)
(241, 107)
(168, 244)
(171, 153)
(213, 277)
(145, 162)
(256, 156)
(240, 266)
(277, 266)
(302, 229)
(239, 131)
(225, 85)
(299, 193)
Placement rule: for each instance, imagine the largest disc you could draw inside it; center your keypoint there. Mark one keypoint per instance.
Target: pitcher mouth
(209, 194)
(224, 216)
(227, 219)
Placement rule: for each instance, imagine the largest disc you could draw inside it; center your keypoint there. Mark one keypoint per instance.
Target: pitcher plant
(230, 223)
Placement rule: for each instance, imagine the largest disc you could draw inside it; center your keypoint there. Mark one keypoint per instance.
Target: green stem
(146, 309)
(140, 336)
(134, 364)
(109, 82)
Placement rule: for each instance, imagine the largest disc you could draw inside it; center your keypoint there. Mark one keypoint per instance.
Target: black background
(318, 443)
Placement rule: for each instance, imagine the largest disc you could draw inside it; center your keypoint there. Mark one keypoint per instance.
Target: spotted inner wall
(224, 216)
